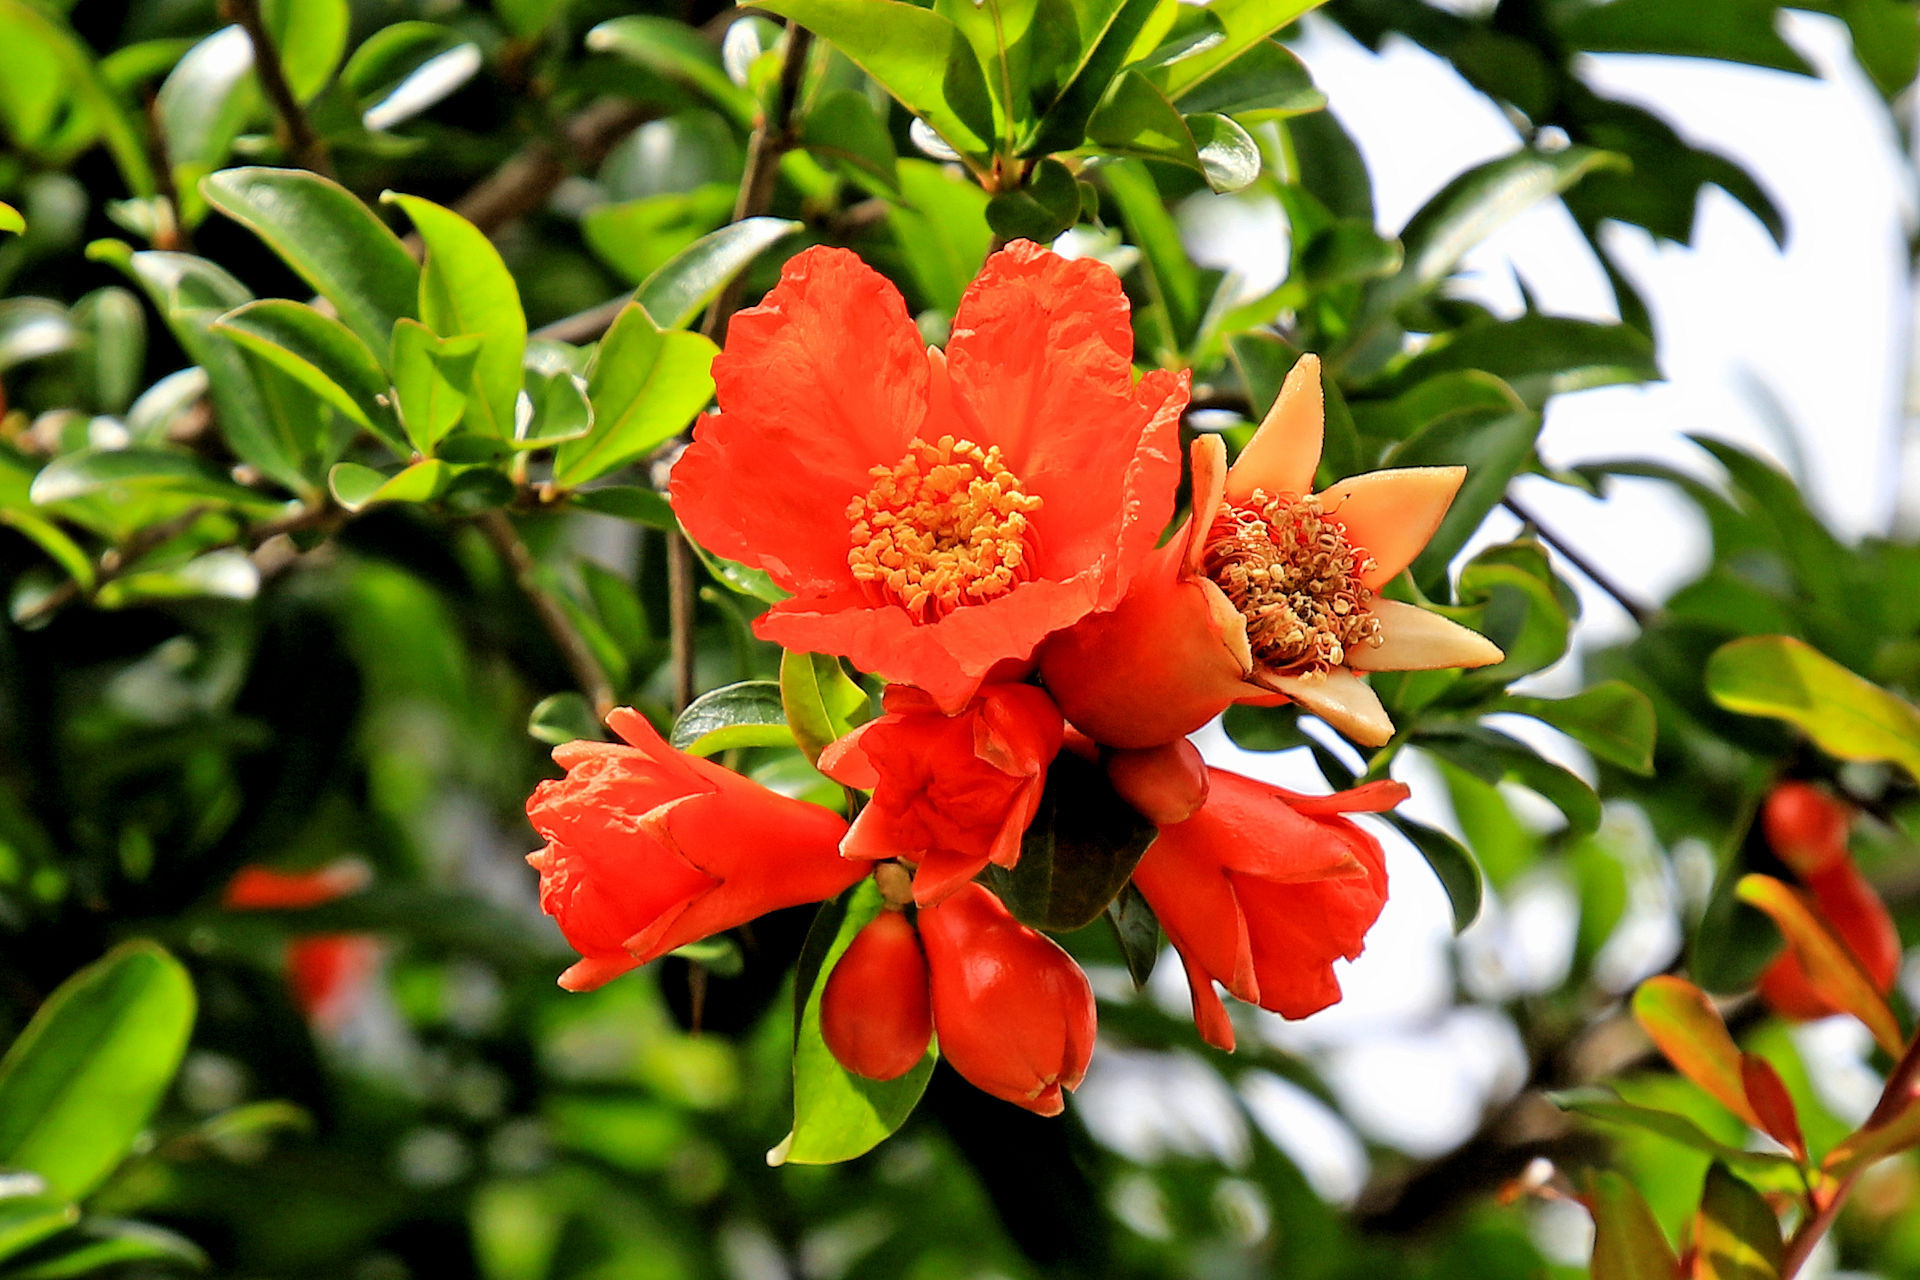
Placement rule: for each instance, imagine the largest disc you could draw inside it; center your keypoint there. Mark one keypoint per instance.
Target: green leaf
(819, 700)
(941, 230)
(80, 1083)
(356, 487)
(1627, 1240)
(842, 126)
(51, 39)
(26, 1220)
(1229, 160)
(1874, 1142)
(560, 410)
(1492, 756)
(406, 68)
(675, 50)
(637, 237)
(1047, 204)
(1180, 290)
(465, 288)
(1244, 23)
(1349, 251)
(10, 219)
(1137, 119)
(431, 377)
(1062, 124)
(1267, 82)
(225, 574)
(311, 38)
(1474, 205)
(1540, 356)
(1137, 930)
(1613, 720)
(205, 104)
(318, 352)
(1727, 30)
(628, 502)
(1493, 446)
(101, 1244)
(645, 387)
(564, 717)
(747, 714)
(330, 239)
(113, 472)
(683, 287)
(1789, 680)
(916, 55)
(1078, 853)
(1736, 1236)
(838, 1115)
(113, 351)
(1453, 865)
(1596, 1102)
(1512, 597)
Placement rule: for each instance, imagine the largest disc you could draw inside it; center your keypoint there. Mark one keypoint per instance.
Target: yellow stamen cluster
(1288, 568)
(945, 526)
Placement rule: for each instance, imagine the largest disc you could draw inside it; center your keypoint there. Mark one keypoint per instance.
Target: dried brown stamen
(1287, 566)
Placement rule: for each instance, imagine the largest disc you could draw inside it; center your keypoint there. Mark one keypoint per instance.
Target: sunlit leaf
(645, 387)
(1689, 1031)
(1736, 1236)
(819, 700)
(1790, 680)
(1830, 967)
(684, 285)
(356, 487)
(10, 219)
(1766, 1169)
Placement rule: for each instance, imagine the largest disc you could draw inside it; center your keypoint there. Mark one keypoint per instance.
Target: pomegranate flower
(1262, 890)
(936, 514)
(950, 793)
(1808, 829)
(649, 848)
(1267, 595)
(1013, 1011)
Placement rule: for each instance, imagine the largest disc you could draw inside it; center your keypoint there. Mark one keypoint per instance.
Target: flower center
(1288, 568)
(945, 526)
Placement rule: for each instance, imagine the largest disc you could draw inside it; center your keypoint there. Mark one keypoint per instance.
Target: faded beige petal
(1414, 639)
(1342, 699)
(1228, 624)
(1392, 514)
(1209, 454)
(1284, 452)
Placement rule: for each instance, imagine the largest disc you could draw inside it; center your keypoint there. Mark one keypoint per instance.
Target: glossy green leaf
(1512, 596)
(1137, 932)
(1477, 203)
(645, 387)
(838, 1115)
(1492, 756)
(1453, 864)
(206, 103)
(1683, 1024)
(916, 55)
(843, 126)
(99, 1245)
(1729, 30)
(819, 700)
(1494, 447)
(10, 219)
(1766, 1169)
(406, 68)
(1078, 852)
(1627, 1241)
(327, 236)
(1831, 968)
(108, 472)
(80, 1083)
(431, 380)
(1082, 80)
(1613, 720)
(1046, 205)
(675, 50)
(747, 714)
(1243, 24)
(1137, 119)
(1267, 82)
(683, 286)
(113, 351)
(1736, 1236)
(356, 487)
(1229, 159)
(317, 351)
(558, 410)
(1790, 680)
(628, 502)
(638, 237)
(1350, 250)
(466, 288)
(311, 38)
(53, 540)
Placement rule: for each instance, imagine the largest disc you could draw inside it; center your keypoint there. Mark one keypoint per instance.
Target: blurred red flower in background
(329, 972)
(936, 514)
(649, 848)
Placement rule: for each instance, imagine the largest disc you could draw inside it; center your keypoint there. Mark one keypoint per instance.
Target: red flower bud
(1806, 827)
(875, 1014)
(649, 849)
(1014, 1012)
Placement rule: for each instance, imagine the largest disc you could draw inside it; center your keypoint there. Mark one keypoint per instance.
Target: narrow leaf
(819, 700)
(1830, 967)
(1736, 1236)
(1689, 1031)
(686, 283)
(1772, 1104)
(1627, 1241)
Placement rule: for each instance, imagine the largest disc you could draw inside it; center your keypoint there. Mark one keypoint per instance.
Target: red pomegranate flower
(935, 514)
(1262, 890)
(1013, 1011)
(649, 848)
(328, 972)
(950, 793)
(1267, 595)
(1808, 828)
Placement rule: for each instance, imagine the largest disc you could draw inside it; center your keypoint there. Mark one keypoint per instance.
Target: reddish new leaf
(1768, 1094)
(1686, 1028)
(1831, 969)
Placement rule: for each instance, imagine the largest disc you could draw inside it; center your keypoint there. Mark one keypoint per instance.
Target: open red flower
(1808, 829)
(649, 848)
(1267, 595)
(950, 793)
(935, 514)
(1262, 890)
(1014, 1013)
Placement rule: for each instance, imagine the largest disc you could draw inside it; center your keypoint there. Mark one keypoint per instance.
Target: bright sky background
(1821, 329)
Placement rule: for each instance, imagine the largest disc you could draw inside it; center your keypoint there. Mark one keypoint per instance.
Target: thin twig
(586, 669)
(304, 147)
(1640, 613)
(1895, 1098)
